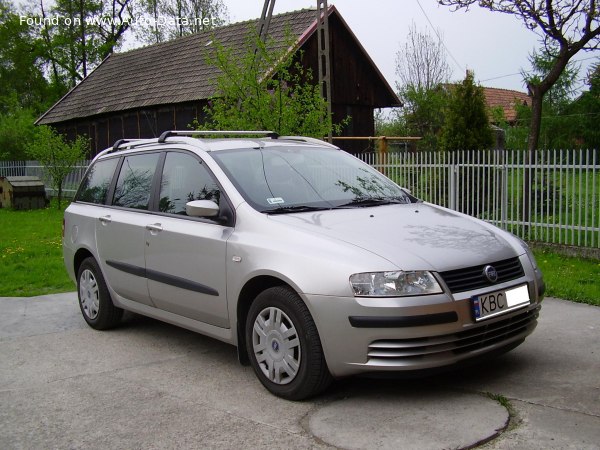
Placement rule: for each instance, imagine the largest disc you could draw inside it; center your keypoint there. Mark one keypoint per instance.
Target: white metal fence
(35, 169)
(546, 196)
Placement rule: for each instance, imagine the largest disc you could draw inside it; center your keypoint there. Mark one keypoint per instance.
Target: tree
(466, 126)
(560, 94)
(57, 155)
(82, 34)
(21, 65)
(163, 20)
(424, 114)
(119, 15)
(17, 131)
(266, 90)
(421, 63)
(569, 26)
(422, 69)
(555, 128)
(584, 114)
(566, 122)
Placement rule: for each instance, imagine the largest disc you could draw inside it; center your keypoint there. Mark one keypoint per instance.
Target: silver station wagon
(313, 264)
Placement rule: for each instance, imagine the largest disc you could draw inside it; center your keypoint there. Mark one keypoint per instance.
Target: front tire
(284, 345)
(95, 303)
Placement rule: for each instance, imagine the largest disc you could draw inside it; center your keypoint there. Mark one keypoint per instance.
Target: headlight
(529, 253)
(394, 284)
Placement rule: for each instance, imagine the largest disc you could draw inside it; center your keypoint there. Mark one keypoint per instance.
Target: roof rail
(166, 134)
(129, 143)
(122, 144)
(309, 140)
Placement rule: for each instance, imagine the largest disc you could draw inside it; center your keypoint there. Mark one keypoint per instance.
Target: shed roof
(24, 181)
(176, 71)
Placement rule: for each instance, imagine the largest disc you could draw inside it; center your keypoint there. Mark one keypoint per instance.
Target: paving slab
(152, 385)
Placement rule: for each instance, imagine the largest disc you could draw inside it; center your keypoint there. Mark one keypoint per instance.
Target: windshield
(297, 178)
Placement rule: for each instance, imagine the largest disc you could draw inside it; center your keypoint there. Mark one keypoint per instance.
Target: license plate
(495, 303)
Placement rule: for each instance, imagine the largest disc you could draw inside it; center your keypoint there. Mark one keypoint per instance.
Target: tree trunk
(537, 92)
(48, 42)
(59, 194)
(537, 97)
(83, 40)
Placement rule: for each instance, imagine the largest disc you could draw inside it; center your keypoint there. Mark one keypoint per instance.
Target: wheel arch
(79, 257)
(249, 292)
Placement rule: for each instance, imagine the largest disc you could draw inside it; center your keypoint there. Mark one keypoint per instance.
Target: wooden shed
(142, 92)
(22, 193)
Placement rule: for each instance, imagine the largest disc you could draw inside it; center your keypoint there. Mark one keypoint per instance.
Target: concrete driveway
(151, 385)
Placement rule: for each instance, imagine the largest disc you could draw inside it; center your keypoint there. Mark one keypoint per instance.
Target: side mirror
(202, 208)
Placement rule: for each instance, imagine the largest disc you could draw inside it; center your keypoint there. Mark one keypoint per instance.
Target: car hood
(417, 236)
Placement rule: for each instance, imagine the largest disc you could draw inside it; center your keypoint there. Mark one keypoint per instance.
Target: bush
(57, 155)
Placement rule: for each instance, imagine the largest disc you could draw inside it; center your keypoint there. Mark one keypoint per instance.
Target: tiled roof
(170, 72)
(507, 99)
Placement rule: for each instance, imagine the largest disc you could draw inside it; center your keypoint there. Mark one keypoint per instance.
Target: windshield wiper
(294, 209)
(374, 201)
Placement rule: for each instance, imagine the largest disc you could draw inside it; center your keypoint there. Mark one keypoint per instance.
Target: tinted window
(94, 186)
(135, 181)
(185, 179)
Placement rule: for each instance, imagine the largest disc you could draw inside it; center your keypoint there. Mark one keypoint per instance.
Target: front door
(185, 257)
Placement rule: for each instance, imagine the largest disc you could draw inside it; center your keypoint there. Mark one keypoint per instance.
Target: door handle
(154, 227)
(105, 220)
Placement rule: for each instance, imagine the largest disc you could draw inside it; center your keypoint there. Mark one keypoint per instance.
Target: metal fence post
(504, 196)
(452, 185)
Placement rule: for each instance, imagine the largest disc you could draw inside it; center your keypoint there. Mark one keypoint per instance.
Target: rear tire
(284, 347)
(95, 303)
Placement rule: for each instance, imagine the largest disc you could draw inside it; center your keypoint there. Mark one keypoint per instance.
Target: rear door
(121, 229)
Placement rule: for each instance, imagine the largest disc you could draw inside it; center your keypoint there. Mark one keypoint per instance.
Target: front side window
(135, 181)
(287, 179)
(96, 183)
(184, 179)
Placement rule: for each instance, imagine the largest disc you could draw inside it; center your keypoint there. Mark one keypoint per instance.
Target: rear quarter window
(96, 183)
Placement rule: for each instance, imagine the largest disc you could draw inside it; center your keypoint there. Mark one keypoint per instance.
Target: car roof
(211, 141)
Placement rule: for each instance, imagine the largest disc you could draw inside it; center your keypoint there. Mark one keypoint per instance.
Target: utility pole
(323, 54)
(265, 19)
(263, 25)
(322, 42)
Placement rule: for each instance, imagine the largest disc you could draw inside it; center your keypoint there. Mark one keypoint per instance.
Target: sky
(495, 46)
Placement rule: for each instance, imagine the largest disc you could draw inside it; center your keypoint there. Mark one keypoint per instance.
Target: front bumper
(384, 335)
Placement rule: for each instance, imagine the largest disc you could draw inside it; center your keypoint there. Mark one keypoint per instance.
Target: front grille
(470, 278)
(404, 352)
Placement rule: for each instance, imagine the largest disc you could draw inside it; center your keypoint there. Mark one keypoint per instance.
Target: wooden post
(382, 144)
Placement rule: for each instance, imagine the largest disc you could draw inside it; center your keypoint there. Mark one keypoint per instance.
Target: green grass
(31, 260)
(571, 278)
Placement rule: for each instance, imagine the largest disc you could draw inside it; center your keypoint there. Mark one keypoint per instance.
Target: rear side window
(96, 183)
(184, 179)
(135, 181)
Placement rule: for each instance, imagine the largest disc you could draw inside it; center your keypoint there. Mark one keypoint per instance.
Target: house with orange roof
(506, 99)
